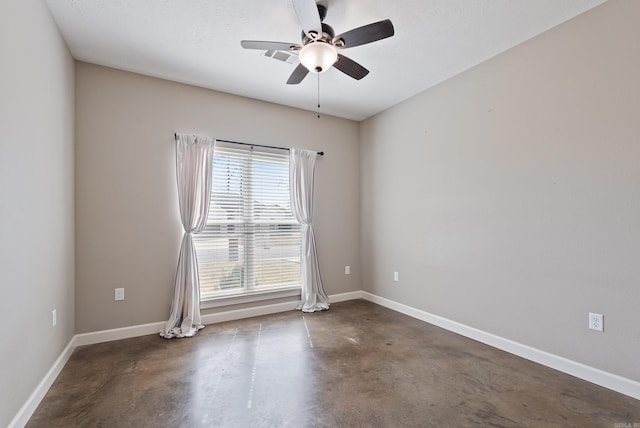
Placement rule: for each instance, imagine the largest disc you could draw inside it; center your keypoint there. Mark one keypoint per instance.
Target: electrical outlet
(395, 276)
(54, 318)
(119, 293)
(596, 321)
(347, 270)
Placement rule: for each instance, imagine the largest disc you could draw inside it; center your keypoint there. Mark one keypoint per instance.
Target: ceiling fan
(319, 49)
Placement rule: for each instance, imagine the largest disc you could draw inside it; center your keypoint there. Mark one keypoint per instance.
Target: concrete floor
(356, 365)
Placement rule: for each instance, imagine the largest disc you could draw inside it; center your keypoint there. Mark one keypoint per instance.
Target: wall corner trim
(590, 374)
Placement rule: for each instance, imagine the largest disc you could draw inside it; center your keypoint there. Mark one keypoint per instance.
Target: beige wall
(508, 198)
(36, 199)
(127, 222)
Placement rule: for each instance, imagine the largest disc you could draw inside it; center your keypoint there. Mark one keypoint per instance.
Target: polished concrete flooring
(356, 365)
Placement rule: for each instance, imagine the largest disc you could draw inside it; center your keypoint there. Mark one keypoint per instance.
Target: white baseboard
(255, 311)
(235, 314)
(118, 333)
(270, 309)
(22, 417)
(351, 295)
(599, 377)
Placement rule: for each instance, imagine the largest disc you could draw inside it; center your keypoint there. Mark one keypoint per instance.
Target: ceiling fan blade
(308, 16)
(350, 67)
(366, 34)
(269, 46)
(298, 74)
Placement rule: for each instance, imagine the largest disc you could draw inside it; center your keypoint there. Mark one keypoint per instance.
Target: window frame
(245, 295)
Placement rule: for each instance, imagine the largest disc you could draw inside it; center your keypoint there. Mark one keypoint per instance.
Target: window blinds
(251, 241)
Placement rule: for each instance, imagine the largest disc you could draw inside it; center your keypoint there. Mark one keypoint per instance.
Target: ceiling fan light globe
(318, 57)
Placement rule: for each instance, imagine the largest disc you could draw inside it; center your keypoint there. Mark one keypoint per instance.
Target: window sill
(218, 301)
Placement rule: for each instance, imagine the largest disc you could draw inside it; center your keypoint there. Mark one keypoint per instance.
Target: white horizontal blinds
(251, 241)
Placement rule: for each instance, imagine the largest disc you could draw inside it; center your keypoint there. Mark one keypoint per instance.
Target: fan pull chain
(318, 95)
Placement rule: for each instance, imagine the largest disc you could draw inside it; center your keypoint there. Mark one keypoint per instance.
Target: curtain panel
(301, 174)
(194, 160)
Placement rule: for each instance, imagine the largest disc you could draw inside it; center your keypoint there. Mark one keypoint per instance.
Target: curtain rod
(175, 135)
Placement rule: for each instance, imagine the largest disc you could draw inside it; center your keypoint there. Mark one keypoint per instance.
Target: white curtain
(194, 159)
(301, 169)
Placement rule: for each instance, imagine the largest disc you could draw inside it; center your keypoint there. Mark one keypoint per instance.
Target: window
(251, 242)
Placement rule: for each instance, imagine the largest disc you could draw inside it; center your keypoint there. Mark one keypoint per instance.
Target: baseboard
(155, 328)
(270, 309)
(22, 417)
(351, 295)
(255, 311)
(118, 333)
(235, 314)
(599, 377)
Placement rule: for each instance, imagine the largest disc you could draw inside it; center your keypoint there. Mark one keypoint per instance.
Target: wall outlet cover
(596, 321)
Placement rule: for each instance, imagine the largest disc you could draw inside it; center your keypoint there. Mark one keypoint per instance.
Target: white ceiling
(198, 42)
